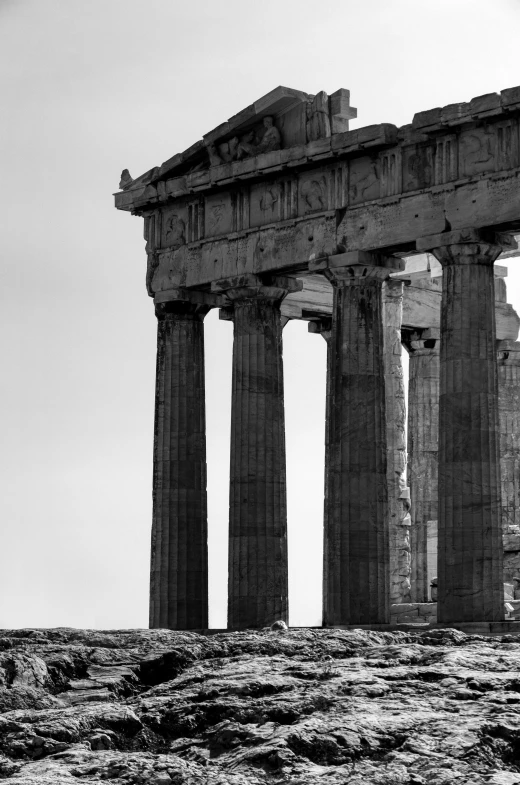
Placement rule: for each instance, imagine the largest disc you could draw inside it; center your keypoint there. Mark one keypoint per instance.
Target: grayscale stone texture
(179, 588)
(509, 402)
(157, 707)
(258, 574)
(423, 447)
(380, 232)
(470, 533)
(398, 492)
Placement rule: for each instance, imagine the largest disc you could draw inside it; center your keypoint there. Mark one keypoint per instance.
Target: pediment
(280, 119)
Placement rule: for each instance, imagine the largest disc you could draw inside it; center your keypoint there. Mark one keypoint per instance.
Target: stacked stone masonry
(398, 491)
(258, 572)
(470, 535)
(423, 446)
(179, 590)
(375, 236)
(509, 399)
(356, 518)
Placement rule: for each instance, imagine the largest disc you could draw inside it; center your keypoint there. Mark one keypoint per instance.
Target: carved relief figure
(215, 158)
(364, 180)
(175, 232)
(271, 139)
(419, 168)
(215, 214)
(477, 151)
(258, 140)
(246, 147)
(313, 193)
(318, 121)
(227, 151)
(268, 202)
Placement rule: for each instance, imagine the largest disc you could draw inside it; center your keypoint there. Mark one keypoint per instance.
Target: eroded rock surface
(302, 706)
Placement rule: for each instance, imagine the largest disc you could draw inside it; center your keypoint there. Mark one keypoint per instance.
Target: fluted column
(179, 559)
(323, 327)
(509, 404)
(423, 445)
(258, 575)
(356, 587)
(398, 492)
(470, 533)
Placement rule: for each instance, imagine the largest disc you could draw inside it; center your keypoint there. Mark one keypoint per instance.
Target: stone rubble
(324, 706)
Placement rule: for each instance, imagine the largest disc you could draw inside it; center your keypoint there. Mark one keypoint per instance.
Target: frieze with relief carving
(342, 184)
(218, 213)
(364, 180)
(313, 194)
(477, 151)
(175, 232)
(165, 230)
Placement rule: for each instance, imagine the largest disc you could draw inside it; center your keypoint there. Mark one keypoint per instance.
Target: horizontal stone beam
(421, 303)
(289, 247)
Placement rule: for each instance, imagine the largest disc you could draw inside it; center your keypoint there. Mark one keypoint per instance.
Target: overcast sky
(90, 88)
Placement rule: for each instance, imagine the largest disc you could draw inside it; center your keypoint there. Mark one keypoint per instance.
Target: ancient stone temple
(380, 238)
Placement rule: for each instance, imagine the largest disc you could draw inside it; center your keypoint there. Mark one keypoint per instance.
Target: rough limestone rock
(270, 706)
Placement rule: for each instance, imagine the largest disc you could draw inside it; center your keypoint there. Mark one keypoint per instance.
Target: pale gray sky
(90, 88)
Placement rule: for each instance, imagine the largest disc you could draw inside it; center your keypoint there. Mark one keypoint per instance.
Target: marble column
(423, 444)
(323, 327)
(258, 575)
(470, 533)
(509, 404)
(398, 491)
(179, 558)
(356, 587)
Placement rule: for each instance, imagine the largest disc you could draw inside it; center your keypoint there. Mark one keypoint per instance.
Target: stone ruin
(379, 238)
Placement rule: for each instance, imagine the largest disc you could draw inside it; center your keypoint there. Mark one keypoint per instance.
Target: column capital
(466, 246)
(394, 288)
(321, 326)
(421, 342)
(252, 287)
(186, 302)
(357, 267)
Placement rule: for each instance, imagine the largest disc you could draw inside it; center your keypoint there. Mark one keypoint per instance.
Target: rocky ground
(306, 706)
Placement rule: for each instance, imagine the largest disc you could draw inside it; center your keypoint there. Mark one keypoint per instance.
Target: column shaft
(356, 588)
(470, 535)
(323, 327)
(327, 484)
(179, 562)
(398, 494)
(423, 446)
(509, 403)
(258, 577)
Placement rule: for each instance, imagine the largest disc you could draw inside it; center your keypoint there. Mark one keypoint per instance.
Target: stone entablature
(373, 188)
(466, 141)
